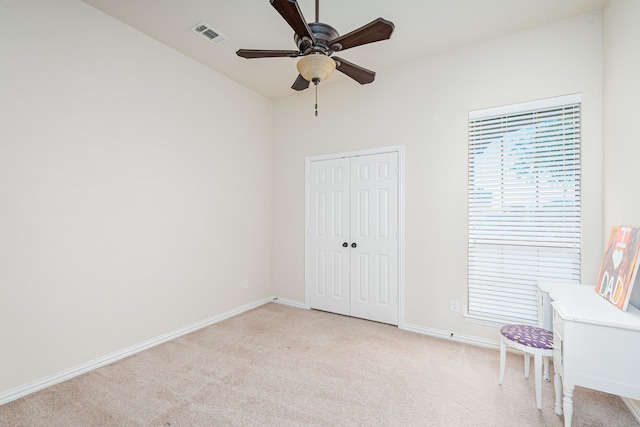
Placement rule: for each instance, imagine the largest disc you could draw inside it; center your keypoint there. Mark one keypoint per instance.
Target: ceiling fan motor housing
(323, 34)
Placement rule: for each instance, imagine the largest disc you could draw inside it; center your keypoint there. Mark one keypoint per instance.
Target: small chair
(531, 340)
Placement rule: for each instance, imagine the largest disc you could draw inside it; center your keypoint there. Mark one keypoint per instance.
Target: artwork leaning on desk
(619, 266)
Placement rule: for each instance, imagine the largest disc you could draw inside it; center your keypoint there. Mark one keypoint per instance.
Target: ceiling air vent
(207, 31)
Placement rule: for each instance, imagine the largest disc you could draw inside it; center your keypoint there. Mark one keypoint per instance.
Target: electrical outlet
(245, 284)
(455, 305)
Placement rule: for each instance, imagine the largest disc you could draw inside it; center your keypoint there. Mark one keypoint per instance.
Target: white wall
(621, 35)
(424, 105)
(134, 196)
(622, 111)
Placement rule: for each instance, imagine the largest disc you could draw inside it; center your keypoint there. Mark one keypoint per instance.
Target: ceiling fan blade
(257, 53)
(300, 83)
(356, 72)
(291, 13)
(374, 31)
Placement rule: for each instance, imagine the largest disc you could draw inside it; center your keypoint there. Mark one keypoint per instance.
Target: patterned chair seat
(528, 335)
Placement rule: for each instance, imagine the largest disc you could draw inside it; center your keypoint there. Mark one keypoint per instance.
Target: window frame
(533, 113)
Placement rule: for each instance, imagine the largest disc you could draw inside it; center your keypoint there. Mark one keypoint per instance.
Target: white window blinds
(524, 205)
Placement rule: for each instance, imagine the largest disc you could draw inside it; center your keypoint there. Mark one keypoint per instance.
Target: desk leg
(557, 382)
(568, 405)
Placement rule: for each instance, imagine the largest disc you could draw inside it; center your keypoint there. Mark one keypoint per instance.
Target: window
(524, 205)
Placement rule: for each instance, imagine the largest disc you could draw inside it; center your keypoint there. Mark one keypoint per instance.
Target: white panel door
(374, 232)
(328, 258)
(353, 236)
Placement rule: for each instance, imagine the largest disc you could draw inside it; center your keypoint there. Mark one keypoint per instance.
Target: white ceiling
(422, 28)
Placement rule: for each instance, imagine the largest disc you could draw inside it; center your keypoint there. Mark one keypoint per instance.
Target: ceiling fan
(316, 43)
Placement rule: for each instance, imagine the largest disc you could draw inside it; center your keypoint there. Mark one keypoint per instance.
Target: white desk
(596, 345)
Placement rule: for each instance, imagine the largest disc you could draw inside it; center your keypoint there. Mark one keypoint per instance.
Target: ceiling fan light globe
(316, 66)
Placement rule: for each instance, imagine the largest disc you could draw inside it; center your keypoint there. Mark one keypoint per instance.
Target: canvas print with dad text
(619, 266)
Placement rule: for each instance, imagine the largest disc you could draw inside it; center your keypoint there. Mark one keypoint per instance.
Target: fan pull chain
(315, 83)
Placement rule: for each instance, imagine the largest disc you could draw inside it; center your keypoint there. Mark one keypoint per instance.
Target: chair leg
(538, 377)
(527, 362)
(503, 359)
(545, 359)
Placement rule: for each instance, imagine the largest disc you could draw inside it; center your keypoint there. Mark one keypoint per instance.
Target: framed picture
(619, 266)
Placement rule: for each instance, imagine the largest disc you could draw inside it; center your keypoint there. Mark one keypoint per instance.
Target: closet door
(328, 257)
(353, 236)
(374, 231)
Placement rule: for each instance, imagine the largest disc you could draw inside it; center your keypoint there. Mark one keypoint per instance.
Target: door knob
(345, 244)
(353, 245)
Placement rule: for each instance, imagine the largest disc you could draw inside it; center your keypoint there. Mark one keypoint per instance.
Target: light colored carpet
(282, 366)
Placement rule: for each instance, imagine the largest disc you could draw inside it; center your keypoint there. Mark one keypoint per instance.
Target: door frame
(399, 149)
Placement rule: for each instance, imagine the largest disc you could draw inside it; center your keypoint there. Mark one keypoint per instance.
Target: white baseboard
(45, 382)
(465, 339)
(289, 302)
(634, 407)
